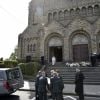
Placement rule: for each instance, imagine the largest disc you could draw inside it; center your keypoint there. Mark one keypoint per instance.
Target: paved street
(19, 95)
(67, 97)
(93, 90)
(27, 95)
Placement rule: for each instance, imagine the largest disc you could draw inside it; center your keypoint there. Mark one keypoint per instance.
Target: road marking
(70, 97)
(33, 98)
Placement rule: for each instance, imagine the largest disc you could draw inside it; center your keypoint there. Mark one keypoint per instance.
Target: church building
(66, 29)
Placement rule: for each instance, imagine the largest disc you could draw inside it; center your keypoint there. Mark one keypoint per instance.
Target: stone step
(92, 74)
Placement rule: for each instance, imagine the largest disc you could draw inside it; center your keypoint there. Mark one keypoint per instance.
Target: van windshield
(13, 74)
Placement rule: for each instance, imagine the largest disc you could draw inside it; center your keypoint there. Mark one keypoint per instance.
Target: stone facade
(67, 29)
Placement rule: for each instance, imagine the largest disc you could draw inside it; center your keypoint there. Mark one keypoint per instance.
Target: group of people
(54, 87)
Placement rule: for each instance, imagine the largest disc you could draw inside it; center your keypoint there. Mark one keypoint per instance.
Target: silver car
(11, 79)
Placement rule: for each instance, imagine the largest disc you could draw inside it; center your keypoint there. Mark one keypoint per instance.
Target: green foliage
(1, 59)
(21, 60)
(10, 63)
(29, 68)
(13, 56)
(2, 65)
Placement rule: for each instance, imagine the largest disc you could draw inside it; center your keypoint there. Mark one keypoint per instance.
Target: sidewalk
(89, 90)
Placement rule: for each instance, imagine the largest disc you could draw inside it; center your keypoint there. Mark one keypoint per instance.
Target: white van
(11, 79)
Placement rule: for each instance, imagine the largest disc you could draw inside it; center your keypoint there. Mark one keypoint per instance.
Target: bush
(29, 68)
(2, 65)
(21, 60)
(10, 63)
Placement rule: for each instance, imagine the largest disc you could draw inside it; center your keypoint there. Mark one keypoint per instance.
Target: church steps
(92, 74)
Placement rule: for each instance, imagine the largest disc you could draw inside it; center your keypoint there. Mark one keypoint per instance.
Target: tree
(13, 55)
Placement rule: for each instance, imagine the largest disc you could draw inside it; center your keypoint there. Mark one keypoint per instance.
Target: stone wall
(77, 17)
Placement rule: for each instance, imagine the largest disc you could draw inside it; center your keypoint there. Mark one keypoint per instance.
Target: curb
(26, 90)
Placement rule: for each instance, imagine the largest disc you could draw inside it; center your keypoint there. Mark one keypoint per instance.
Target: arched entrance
(55, 48)
(80, 48)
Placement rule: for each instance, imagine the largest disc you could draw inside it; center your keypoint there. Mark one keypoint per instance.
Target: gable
(55, 25)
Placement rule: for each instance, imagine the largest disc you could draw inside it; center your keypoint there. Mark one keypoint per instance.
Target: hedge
(10, 63)
(2, 65)
(29, 68)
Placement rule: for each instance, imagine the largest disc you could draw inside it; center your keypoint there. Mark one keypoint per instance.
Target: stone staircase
(92, 74)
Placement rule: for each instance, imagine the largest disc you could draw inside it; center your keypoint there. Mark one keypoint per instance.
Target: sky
(13, 21)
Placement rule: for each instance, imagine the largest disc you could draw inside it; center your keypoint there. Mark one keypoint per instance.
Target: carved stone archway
(54, 47)
(80, 48)
(79, 44)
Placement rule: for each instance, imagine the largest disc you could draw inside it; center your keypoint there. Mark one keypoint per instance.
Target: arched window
(77, 11)
(34, 47)
(31, 48)
(61, 15)
(55, 15)
(72, 12)
(83, 11)
(49, 17)
(66, 14)
(96, 10)
(90, 11)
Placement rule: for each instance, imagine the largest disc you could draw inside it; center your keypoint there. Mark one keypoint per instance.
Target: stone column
(66, 49)
(93, 44)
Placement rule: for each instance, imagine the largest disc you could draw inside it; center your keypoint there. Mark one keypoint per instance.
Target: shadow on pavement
(9, 97)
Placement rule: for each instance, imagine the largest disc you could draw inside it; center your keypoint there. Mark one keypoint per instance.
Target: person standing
(52, 76)
(93, 60)
(43, 87)
(53, 60)
(79, 78)
(56, 87)
(42, 60)
(36, 85)
(61, 84)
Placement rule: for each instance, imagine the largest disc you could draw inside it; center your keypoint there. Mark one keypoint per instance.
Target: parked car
(11, 79)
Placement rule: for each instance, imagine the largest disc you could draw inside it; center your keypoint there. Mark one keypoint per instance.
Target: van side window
(2, 76)
(13, 74)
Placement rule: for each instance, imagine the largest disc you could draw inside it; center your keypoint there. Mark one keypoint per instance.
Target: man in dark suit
(56, 87)
(36, 84)
(79, 77)
(43, 87)
(93, 60)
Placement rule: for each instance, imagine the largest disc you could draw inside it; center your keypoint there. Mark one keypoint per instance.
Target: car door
(15, 78)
